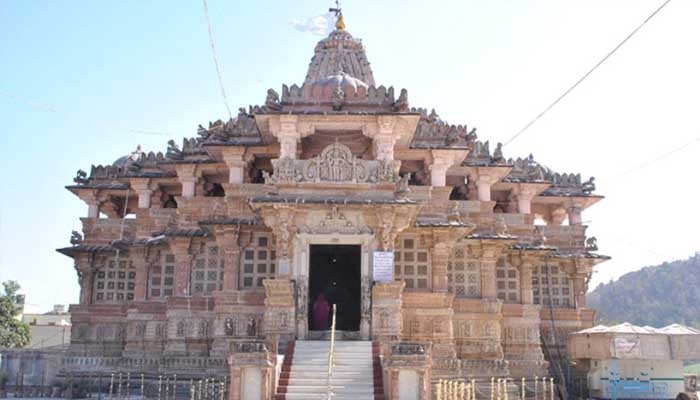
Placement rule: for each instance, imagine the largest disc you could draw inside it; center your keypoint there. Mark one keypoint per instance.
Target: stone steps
(356, 371)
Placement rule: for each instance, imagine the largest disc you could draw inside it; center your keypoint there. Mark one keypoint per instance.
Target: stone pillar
(526, 296)
(386, 310)
(408, 368)
(93, 209)
(385, 139)
(227, 240)
(440, 161)
(140, 262)
(251, 366)
(557, 216)
(288, 136)
(488, 278)
(187, 175)
(438, 174)
(525, 196)
(574, 214)
(280, 306)
(85, 277)
(485, 178)
(440, 257)
(183, 265)
(580, 289)
(233, 157)
(141, 186)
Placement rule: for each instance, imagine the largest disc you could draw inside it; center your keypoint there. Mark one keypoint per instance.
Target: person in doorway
(321, 309)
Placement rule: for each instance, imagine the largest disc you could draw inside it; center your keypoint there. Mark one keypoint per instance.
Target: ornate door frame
(302, 244)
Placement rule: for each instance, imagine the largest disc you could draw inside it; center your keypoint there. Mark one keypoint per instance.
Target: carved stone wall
(280, 308)
(386, 311)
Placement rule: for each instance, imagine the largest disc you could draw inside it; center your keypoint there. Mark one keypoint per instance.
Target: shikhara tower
(230, 238)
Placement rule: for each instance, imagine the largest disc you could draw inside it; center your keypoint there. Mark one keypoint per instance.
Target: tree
(13, 332)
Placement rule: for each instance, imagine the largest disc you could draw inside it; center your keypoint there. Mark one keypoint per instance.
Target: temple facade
(208, 259)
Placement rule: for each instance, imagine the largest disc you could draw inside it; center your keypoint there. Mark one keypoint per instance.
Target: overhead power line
(659, 158)
(216, 60)
(578, 82)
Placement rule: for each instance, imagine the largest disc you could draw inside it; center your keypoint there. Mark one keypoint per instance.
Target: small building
(631, 362)
(47, 329)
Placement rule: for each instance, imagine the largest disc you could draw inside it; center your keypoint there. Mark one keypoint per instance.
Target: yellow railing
(329, 382)
(532, 389)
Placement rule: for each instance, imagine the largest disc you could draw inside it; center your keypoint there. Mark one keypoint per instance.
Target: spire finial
(339, 23)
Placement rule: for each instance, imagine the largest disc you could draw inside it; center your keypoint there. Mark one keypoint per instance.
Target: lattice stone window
(412, 263)
(463, 274)
(207, 270)
(162, 277)
(258, 261)
(507, 282)
(115, 282)
(551, 282)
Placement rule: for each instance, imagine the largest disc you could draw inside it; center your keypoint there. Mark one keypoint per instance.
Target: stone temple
(207, 260)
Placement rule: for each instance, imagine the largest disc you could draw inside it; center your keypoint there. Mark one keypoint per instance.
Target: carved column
(557, 216)
(385, 139)
(524, 195)
(140, 262)
(288, 136)
(93, 209)
(580, 290)
(279, 322)
(484, 181)
(440, 161)
(187, 175)
(386, 310)
(489, 258)
(90, 197)
(227, 240)
(183, 265)
(526, 295)
(142, 188)
(233, 157)
(574, 214)
(440, 257)
(83, 266)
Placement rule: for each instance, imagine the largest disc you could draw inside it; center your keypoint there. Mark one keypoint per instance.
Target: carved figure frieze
(337, 222)
(335, 164)
(408, 349)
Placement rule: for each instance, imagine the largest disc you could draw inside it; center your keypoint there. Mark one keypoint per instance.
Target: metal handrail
(331, 356)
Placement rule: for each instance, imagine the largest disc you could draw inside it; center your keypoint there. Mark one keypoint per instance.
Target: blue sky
(78, 78)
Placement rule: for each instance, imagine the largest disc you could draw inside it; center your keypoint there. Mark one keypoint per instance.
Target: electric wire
(587, 74)
(216, 60)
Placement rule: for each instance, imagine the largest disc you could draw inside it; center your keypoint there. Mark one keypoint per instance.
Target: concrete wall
(32, 367)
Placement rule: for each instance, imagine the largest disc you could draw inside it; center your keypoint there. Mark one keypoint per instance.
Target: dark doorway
(334, 272)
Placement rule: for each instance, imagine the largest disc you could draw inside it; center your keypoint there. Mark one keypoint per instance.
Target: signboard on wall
(284, 266)
(383, 266)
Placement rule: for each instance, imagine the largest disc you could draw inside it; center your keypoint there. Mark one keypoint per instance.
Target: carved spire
(339, 52)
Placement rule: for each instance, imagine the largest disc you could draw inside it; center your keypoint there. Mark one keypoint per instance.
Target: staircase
(357, 374)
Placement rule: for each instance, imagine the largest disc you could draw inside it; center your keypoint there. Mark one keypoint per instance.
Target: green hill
(656, 296)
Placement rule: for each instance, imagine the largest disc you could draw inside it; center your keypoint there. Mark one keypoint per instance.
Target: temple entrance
(335, 278)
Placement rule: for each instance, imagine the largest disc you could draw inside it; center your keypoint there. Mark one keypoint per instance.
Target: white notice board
(383, 266)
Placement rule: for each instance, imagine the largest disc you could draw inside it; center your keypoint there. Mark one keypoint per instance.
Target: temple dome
(340, 51)
(129, 159)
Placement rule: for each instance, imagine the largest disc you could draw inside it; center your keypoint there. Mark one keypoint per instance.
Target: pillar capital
(524, 193)
(143, 187)
(439, 161)
(235, 160)
(188, 175)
